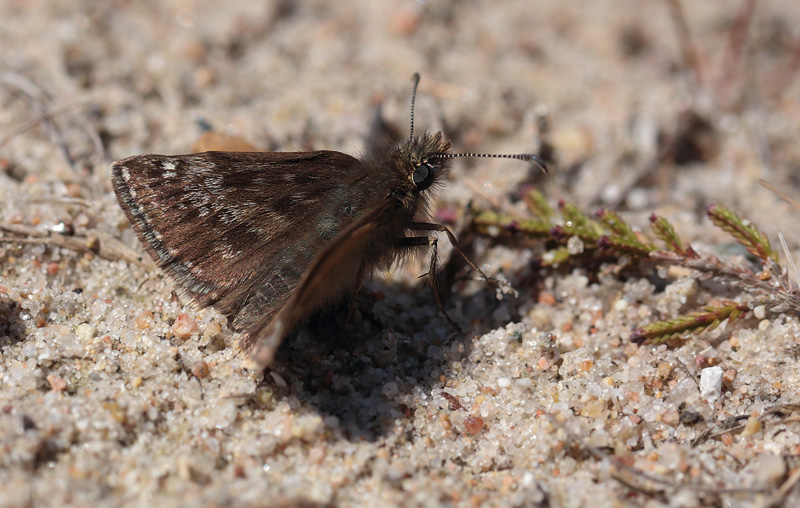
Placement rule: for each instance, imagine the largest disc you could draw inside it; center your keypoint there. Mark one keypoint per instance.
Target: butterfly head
(421, 160)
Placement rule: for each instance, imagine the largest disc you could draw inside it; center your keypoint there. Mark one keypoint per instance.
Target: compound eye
(423, 176)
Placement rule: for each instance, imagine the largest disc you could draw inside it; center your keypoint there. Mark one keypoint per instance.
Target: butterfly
(267, 238)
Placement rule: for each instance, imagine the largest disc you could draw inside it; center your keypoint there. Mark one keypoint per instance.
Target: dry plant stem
(666, 152)
(778, 498)
(777, 294)
(63, 201)
(713, 267)
(660, 494)
(689, 53)
(622, 465)
(39, 100)
(777, 410)
(43, 117)
(95, 242)
(732, 62)
(781, 79)
(48, 111)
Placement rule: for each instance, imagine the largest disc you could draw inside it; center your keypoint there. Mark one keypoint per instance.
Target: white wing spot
(229, 254)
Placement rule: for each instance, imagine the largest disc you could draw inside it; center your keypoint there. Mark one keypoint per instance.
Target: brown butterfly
(269, 237)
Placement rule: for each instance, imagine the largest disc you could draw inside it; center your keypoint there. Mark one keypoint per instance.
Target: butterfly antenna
(413, 99)
(527, 157)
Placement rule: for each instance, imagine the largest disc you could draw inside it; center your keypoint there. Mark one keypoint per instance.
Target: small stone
(316, 455)
(575, 246)
(711, 383)
(729, 376)
(184, 326)
(753, 426)
(212, 329)
(144, 319)
(57, 384)
(769, 468)
(279, 381)
(503, 382)
(52, 268)
(594, 408)
(547, 298)
(201, 369)
(663, 370)
(691, 417)
(670, 417)
(85, 331)
(473, 424)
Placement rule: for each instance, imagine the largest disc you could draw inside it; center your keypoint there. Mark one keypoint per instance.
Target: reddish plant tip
(524, 189)
(638, 336)
(653, 217)
(710, 208)
(604, 242)
(600, 212)
(561, 203)
(557, 232)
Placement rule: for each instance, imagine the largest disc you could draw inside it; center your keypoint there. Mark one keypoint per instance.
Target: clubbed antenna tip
(413, 100)
(527, 157)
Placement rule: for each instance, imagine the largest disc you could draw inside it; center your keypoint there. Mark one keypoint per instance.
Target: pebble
(473, 424)
(184, 326)
(711, 383)
(769, 468)
(201, 369)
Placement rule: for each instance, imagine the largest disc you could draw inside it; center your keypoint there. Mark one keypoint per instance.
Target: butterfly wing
(231, 228)
(336, 266)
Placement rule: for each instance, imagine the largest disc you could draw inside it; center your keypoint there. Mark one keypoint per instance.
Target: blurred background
(623, 96)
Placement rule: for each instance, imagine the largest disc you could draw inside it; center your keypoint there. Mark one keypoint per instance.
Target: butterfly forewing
(223, 225)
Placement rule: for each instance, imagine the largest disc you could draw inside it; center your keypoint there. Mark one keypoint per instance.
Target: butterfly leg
(433, 273)
(426, 226)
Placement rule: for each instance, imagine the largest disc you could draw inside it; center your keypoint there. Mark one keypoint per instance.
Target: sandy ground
(114, 393)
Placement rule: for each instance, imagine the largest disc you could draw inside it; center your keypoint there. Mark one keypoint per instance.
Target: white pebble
(278, 379)
(85, 331)
(575, 246)
(711, 383)
(503, 382)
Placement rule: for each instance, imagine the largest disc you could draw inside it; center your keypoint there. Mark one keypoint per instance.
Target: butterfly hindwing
(334, 268)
